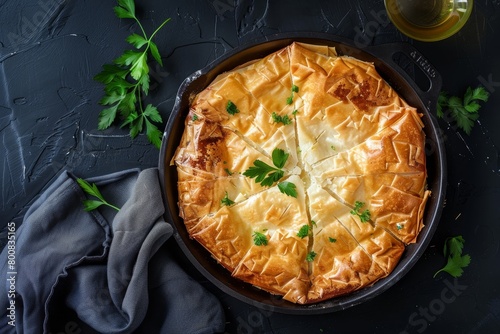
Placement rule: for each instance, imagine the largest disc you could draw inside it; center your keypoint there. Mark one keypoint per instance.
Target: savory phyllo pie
(303, 173)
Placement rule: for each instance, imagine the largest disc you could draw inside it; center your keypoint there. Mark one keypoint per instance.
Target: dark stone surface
(50, 51)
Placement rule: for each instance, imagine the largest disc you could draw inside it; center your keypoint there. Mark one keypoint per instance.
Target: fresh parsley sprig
(303, 232)
(364, 216)
(259, 239)
(92, 190)
(286, 120)
(127, 82)
(268, 175)
(310, 256)
(226, 201)
(453, 247)
(295, 89)
(231, 108)
(264, 174)
(463, 110)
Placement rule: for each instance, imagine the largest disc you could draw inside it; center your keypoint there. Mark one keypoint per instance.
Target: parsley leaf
(286, 120)
(92, 190)
(259, 239)
(294, 89)
(310, 256)
(231, 108)
(453, 247)
(464, 111)
(279, 157)
(332, 239)
(303, 232)
(226, 201)
(127, 82)
(363, 216)
(288, 188)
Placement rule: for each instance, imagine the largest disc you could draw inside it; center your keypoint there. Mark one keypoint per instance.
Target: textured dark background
(51, 49)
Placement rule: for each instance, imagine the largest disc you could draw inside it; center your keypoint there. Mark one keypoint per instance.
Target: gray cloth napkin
(101, 271)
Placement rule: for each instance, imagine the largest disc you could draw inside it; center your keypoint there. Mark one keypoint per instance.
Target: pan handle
(387, 53)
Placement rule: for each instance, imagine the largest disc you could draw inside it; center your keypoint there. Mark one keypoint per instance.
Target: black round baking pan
(384, 58)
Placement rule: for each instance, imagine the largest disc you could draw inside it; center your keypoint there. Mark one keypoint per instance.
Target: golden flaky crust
(350, 140)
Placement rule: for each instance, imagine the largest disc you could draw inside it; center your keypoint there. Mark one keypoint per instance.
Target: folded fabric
(102, 271)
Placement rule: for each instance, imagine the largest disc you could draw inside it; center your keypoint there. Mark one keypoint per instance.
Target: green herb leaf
(155, 53)
(479, 93)
(89, 205)
(152, 113)
(363, 216)
(107, 117)
(288, 188)
(259, 239)
(154, 135)
(303, 232)
(231, 108)
(289, 99)
(463, 111)
(279, 157)
(139, 67)
(92, 190)
(128, 5)
(226, 201)
(123, 13)
(332, 239)
(310, 256)
(136, 40)
(453, 252)
(263, 173)
(286, 120)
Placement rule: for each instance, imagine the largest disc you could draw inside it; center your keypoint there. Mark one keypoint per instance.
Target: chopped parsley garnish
(259, 239)
(363, 216)
(226, 201)
(303, 232)
(267, 175)
(228, 171)
(281, 119)
(289, 99)
(194, 118)
(453, 247)
(310, 256)
(231, 108)
(295, 112)
(332, 239)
